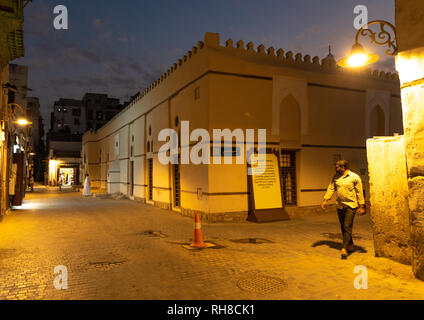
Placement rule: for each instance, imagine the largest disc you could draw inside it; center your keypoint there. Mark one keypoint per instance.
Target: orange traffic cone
(197, 237)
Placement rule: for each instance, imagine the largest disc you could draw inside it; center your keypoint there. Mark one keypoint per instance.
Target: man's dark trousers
(346, 216)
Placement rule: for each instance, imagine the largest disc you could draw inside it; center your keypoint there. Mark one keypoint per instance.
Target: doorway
(67, 176)
(177, 185)
(17, 179)
(131, 178)
(150, 174)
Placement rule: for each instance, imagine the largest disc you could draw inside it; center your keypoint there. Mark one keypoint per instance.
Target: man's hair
(343, 163)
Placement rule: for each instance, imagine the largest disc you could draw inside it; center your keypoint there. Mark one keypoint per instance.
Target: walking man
(350, 201)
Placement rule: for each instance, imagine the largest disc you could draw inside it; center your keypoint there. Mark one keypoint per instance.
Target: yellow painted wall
(336, 117)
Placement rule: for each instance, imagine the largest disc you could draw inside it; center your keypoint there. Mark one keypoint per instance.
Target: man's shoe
(351, 248)
(344, 254)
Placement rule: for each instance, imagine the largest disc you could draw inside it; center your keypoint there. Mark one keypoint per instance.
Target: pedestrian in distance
(350, 202)
(86, 192)
(31, 183)
(60, 182)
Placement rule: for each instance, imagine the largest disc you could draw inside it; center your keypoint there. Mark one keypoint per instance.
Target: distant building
(68, 116)
(36, 133)
(70, 119)
(78, 116)
(100, 109)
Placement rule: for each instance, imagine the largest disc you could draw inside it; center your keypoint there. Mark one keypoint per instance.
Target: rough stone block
(416, 205)
(389, 198)
(413, 120)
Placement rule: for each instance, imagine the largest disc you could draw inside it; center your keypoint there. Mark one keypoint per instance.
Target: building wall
(4, 173)
(65, 145)
(11, 21)
(33, 114)
(216, 87)
(18, 76)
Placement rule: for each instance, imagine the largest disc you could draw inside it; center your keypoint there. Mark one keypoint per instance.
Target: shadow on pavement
(337, 245)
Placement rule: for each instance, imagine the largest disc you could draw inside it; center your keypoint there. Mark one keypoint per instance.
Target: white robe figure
(87, 192)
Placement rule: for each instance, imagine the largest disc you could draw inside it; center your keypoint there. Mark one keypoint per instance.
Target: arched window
(290, 120)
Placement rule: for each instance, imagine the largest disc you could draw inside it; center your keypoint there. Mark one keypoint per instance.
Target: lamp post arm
(17, 105)
(381, 38)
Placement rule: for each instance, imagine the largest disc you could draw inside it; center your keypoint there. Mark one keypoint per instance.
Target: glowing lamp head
(358, 58)
(23, 122)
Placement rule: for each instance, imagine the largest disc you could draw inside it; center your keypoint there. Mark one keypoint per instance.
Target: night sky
(120, 47)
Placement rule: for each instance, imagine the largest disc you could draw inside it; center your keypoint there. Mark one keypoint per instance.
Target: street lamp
(359, 57)
(11, 112)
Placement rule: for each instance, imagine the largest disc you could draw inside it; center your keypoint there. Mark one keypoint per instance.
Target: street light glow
(358, 58)
(23, 122)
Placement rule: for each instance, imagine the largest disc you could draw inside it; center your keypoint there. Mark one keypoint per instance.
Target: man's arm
(360, 195)
(330, 191)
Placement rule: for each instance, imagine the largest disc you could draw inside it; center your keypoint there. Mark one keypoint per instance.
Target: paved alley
(121, 249)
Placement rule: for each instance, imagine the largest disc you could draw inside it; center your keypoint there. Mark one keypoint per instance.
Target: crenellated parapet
(290, 59)
(279, 57)
(176, 66)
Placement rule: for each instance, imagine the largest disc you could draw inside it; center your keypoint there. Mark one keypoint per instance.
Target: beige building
(314, 112)
(11, 47)
(18, 77)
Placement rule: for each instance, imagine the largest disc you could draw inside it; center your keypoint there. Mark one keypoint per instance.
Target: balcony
(12, 35)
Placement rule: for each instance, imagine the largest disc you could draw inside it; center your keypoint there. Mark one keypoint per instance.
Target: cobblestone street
(121, 249)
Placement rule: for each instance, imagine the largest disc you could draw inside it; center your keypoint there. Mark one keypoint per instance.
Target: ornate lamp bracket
(12, 111)
(382, 37)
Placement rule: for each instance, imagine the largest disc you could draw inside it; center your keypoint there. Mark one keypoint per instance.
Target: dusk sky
(120, 47)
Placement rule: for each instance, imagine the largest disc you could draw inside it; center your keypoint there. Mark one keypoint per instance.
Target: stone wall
(416, 205)
(410, 66)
